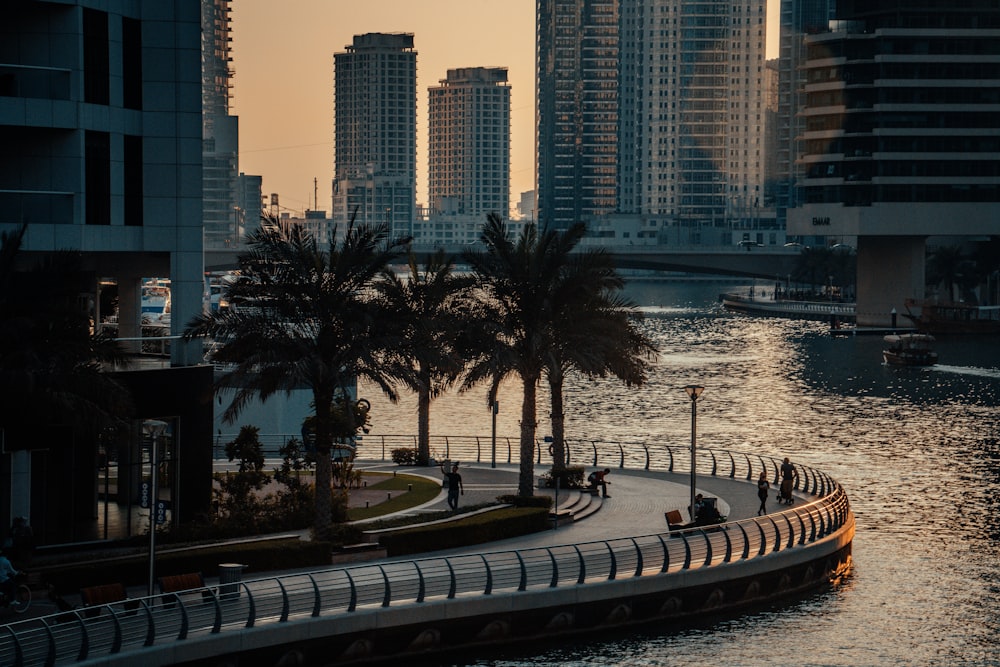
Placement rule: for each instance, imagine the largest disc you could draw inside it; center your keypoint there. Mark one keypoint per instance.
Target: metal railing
(225, 609)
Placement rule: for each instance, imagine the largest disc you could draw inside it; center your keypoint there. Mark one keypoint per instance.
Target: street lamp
(154, 428)
(693, 392)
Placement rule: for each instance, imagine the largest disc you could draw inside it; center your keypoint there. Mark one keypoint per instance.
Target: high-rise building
(797, 19)
(375, 127)
(468, 166)
(900, 138)
(652, 108)
(101, 134)
(222, 214)
(577, 107)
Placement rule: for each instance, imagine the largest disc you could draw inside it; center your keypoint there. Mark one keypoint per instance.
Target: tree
(52, 367)
(949, 266)
(520, 281)
(304, 316)
(594, 332)
(425, 310)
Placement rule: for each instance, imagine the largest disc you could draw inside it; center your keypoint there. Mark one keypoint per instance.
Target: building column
(890, 270)
(130, 311)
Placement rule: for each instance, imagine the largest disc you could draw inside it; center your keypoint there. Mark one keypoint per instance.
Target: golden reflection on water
(918, 451)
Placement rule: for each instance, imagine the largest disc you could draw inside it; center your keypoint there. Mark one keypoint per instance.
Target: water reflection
(917, 450)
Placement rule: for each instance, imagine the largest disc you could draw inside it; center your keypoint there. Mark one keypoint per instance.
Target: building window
(98, 175)
(131, 63)
(132, 184)
(96, 68)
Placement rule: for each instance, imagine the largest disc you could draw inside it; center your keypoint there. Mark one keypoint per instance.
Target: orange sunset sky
(283, 83)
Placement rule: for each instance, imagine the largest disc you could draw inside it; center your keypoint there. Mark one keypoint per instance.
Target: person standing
(454, 485)
(762, 488)
(789, 475)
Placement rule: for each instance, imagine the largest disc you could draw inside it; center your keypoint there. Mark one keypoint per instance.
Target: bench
(98, 596)
(172, 584)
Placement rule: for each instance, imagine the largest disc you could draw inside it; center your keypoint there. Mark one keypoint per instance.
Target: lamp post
(154, 428)
(494, 408)
(693, 392)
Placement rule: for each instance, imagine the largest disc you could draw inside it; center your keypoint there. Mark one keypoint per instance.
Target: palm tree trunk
(324, 467)
(526, 478)
(424, 420)
(558, 422)
(423, 428)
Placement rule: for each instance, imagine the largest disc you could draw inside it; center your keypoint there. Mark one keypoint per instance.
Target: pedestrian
(455, 486)
(762, 488)
(597, 479)
(789, 475)
(7, 574)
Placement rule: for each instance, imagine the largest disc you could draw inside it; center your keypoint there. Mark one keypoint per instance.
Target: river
(918, 451)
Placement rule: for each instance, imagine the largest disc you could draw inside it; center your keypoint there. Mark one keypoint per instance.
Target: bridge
(757, 262)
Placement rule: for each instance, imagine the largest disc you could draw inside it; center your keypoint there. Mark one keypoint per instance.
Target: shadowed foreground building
(901, 137)
(101, 128)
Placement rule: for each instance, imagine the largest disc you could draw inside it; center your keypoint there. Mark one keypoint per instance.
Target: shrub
(404, 456)
(486, 527)
(570, 477)
(526, 501)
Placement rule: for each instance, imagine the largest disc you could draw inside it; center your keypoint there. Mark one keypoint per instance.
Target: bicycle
(21, 600)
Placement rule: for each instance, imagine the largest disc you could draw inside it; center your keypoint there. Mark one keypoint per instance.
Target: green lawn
(421, 492)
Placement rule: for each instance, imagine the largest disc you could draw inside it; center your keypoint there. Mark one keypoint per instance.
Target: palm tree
(304, 316)
(950, 266)
(519, 281)
(51, 365)
(424, 309)
(594, 332)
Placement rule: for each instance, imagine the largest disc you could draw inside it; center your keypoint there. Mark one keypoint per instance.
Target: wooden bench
(97, 596)
(172, 584)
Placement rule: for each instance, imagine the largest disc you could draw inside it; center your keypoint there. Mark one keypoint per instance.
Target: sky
(283, 83)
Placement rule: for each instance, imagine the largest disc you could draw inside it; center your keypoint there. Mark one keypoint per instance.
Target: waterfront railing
(125, 628)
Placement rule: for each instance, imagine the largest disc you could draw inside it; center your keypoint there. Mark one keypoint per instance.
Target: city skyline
(286, 122)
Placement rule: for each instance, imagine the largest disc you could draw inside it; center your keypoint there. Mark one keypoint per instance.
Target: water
(918, 451)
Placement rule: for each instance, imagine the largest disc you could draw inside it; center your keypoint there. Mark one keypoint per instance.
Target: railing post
(583, 565)
(593, 444)
(646, 447)
(666, 554)
(621, 456)
(614, 563)
(316, 596)
(638, 558)
(554, 582)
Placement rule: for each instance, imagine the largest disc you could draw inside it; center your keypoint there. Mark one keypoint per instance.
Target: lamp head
(694, 391)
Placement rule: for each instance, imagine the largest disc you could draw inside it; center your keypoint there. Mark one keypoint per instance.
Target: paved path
(636, 507)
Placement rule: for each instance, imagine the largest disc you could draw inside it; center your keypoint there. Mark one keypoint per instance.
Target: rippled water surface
(916, 449)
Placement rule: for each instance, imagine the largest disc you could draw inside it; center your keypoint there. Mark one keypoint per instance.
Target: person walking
(762, 488)
(789, 475)
(455, 486)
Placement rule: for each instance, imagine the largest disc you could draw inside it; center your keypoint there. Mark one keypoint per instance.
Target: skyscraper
(375, 127)
(222, 213)
(577, 100)
(469, 143)
(797, 19)
(652, 108)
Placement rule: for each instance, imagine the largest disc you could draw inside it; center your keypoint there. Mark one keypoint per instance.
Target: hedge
(486, 527)
(133, 570)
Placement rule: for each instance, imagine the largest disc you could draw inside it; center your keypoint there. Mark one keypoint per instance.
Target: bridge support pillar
(890, 270)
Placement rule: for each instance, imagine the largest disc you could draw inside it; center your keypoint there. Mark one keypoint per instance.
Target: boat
(913, 349)
(945, 317)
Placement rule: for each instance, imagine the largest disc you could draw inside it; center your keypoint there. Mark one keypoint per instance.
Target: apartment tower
(375, 127)
(469, 143)
(652, 108)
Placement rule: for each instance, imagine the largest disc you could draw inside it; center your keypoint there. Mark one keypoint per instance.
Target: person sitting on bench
(596, 479)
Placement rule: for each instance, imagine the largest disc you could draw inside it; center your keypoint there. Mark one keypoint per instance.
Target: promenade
(636, 507)
(610, 562)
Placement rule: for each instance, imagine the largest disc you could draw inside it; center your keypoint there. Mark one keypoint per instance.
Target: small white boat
(909, 350)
